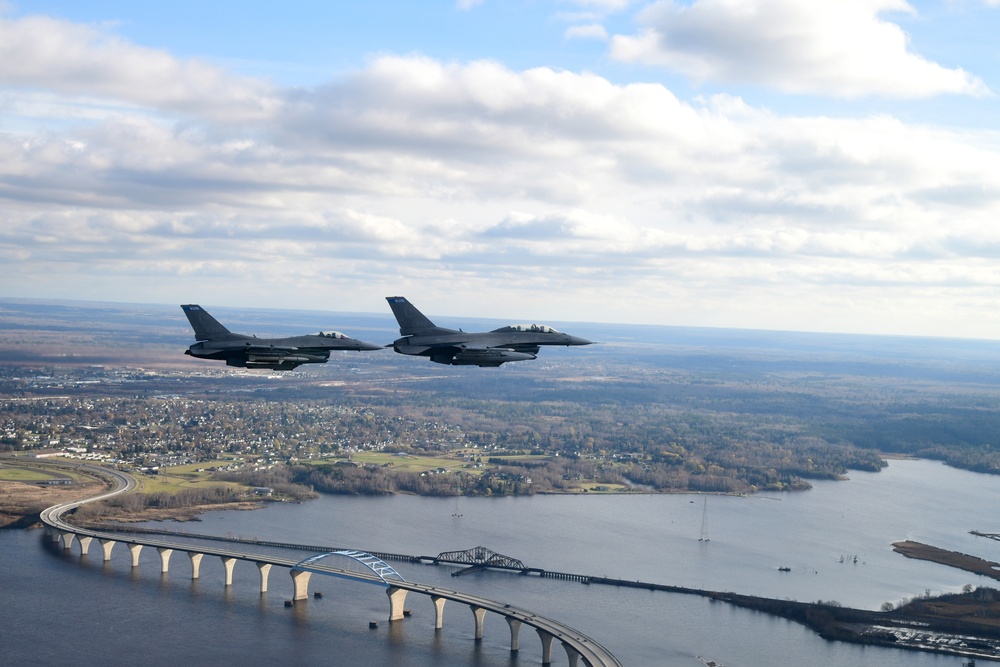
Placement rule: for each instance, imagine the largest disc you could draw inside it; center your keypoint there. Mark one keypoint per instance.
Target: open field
(21, 500)
(412, 463)
(595, 487)
(14, 474)
(170, 483)
(192, 476)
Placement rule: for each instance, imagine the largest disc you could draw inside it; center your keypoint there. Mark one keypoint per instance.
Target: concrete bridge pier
(264, 569)
(84, 541)
(229, 563)
(107, 545)
(300, 582)
(67, 540)
(164, 558)
(479, 613)
(438, 611)
(515, 628)
(572, 654)
(135, 549)
(397, 598)
(195, 563)
(546, 645)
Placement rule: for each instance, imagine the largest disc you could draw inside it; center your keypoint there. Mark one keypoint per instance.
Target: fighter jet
(519, 342)
(280, 354)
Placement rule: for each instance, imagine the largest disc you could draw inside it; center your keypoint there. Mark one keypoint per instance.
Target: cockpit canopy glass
(332, 334)
(526, 328)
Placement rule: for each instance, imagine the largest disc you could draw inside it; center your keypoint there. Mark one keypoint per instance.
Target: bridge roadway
(577, 645)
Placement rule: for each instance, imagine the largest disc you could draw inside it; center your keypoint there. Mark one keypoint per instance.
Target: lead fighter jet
(281, 354)
(519, 342)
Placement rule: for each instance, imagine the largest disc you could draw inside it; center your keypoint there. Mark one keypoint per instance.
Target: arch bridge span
(579, 648)
(375, 565)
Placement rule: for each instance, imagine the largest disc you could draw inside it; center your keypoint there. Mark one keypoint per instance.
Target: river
(836, 539)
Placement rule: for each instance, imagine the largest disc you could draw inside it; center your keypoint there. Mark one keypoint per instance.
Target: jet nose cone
(362, 345)
(576, 340)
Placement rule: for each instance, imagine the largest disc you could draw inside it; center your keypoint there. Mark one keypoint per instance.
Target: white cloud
(588, 31)
(606, 6)
(480, 182)
(38, 52)
(842, 48)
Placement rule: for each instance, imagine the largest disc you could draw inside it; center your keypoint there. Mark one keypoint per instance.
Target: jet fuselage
(218, 343)
(459, 348)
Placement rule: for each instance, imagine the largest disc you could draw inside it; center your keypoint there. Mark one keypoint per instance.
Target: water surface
(56, 607)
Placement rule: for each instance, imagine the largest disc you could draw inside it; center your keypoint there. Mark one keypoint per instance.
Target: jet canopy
(333, 334)
(526, 328)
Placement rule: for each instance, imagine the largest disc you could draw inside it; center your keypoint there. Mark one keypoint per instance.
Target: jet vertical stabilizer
(412, 321)
(205, 326)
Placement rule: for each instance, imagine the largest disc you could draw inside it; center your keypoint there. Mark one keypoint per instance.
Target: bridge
(359, 566)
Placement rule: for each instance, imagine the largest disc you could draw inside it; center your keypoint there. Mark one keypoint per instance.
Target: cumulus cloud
(606, 6)
(843, 48)
(39, 52)
(588, 31)
(478, 181)
(405, 127)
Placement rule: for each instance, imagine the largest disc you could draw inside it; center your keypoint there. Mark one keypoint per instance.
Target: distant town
(151, 421)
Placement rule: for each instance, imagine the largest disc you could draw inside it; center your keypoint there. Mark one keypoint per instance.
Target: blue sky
(774, 164)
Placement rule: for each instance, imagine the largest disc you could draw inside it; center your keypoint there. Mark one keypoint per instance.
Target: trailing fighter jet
(281, 354)
(519, 342)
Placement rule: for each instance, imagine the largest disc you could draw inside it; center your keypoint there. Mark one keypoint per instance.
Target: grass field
(37, 471)
(171, 484)
(14, 474)
(409, 462)
(599, 487)
(176, 478)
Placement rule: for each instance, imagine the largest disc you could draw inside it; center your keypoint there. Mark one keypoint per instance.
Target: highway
(588, 650)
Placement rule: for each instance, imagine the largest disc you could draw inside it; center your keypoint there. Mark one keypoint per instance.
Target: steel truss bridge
(480, 556)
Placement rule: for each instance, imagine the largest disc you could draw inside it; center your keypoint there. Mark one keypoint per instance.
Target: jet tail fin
(205, 326)
(412, 321)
